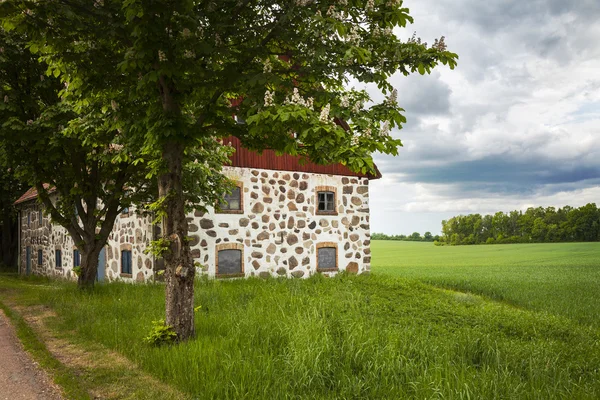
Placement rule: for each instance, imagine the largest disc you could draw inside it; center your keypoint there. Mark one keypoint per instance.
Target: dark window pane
(232, 201)
(326, 258)
(39, 257)
(326, 201)
(230, 262)
(126, 261)
(76, 258)
(58, 256)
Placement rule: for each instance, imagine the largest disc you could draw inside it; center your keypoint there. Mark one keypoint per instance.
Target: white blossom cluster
(343, 2)
(114, 105)
(99, 3)
(392, 99)
(439, 44)
(267, 67)
(189, 54)
(385, 130)
(332, 13)
(353, 37)
(269, 98)
(299, 100)
(324, 117)
(378, 32)
(393, 3)
(6, 98)
(370, 7)
(345, 101)
(303, 2)
(161, 56)
(357, 107)
(218, 40)
(186, 33)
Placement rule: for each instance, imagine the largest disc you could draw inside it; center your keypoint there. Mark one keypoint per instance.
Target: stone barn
(284, 218)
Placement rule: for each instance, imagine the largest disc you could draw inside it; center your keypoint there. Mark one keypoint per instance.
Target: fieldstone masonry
(278, 230)
(280, 227)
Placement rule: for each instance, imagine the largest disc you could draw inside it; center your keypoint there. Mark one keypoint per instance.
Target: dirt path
(20, 377)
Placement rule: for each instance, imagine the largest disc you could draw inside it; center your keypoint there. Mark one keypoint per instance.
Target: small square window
(125, 210)
(232, 202)
(76, 258)
(126, 264)
(326, 202)
(58, 258)
(40, 257)
(326, 258)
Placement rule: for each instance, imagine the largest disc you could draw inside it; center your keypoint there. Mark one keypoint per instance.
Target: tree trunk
(180, 270)
(89, 267)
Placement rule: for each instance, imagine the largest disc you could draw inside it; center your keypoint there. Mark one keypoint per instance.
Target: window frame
(40, 257)
(58, 259)
(130, 258)
(76, 258)
(40, 217)
(218, 208)
(327, 189)
(230, 246)
(328, 245)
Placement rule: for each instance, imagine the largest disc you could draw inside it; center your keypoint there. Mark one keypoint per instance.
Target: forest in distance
(535, 225)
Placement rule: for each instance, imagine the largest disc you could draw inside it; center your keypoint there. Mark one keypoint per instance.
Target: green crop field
(399, 333)
(559, 278)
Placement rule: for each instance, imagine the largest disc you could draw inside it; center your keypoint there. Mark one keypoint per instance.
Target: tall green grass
(348, 338)
(560, 278)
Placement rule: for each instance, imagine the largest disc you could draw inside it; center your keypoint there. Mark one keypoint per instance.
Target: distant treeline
(536, 225)
(415, 237)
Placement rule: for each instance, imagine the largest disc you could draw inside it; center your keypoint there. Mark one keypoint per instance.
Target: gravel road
(20, 377)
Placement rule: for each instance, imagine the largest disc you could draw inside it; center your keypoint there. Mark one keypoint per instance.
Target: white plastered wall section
(280, 228)
(47, 237)
(132, 232)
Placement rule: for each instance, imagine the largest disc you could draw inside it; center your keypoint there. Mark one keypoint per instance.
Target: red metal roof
(269, 160)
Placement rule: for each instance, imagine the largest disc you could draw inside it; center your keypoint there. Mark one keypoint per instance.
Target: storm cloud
(515, 125)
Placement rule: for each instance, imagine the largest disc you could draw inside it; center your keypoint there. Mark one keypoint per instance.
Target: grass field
(350, 337)
(559, 278)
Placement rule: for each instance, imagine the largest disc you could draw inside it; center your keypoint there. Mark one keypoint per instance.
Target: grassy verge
(559, 278)
(84, 368)
(349, 337)
(61, 375)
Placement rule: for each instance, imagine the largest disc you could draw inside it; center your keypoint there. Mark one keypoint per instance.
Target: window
(125, 210)
(233, 202)
(40, 217)
(28, 219)
(126, 264)
(327, 257)
(230, 259)
(326, 202)
(40, 257)
(58, 258)
(76, 258)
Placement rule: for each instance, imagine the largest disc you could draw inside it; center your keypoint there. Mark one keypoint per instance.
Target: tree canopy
(175, 71)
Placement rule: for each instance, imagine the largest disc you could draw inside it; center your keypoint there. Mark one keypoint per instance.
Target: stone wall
(279, 229)
(132, 231)
(48, 237)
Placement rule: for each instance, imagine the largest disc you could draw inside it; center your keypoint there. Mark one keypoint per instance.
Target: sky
(515, 125)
